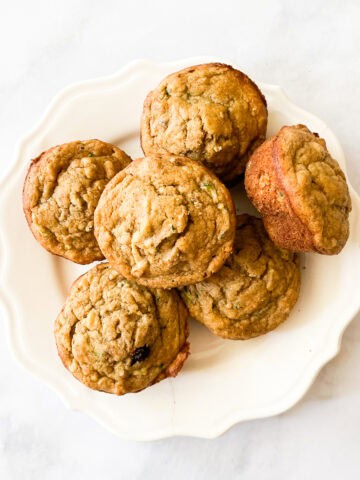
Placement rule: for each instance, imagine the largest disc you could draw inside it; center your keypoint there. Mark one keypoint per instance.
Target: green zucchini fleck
(210, 189)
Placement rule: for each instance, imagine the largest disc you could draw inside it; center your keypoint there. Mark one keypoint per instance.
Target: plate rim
(8, 306)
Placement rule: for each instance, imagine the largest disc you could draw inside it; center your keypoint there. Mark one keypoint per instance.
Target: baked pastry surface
(211, 113)
(253, 292)
(301, 192)
(165, 221)
(118, 337)
(61, 191)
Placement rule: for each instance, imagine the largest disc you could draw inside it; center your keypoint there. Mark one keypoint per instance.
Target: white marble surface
(310, 48)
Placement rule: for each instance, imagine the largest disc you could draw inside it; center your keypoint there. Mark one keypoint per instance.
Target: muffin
(165, 221)
(211, 113)
(300, 191)
(253, 292)
(118, 337)
(61, 191)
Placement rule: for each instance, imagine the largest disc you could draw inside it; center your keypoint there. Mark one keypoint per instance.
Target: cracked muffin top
(253, 292)
(301, 192)
(118, 337)
(211, 113)
(165, 221)
(61, 191)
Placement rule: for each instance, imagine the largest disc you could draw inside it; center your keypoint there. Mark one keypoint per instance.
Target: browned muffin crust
(301, 192)
(118, 337)
(61, 190)
(165, 221)
(211, 113)
(253, 292)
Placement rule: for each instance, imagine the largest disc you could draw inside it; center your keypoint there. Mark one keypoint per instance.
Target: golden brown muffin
(253, 292)
(211, 113)
(118, 337)
(61, 191)
(300, 191)
(165, 222)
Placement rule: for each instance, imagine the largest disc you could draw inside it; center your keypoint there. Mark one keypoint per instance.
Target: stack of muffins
(167, 227)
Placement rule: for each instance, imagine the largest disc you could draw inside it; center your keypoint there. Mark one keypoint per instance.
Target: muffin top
(253, 292)
(119, 337)
(165, 221)
(315, 186)
(61, 191)
(211, 113)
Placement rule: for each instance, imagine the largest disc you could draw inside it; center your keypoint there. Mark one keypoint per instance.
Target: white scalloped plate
(223, 382)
